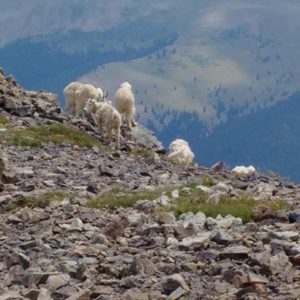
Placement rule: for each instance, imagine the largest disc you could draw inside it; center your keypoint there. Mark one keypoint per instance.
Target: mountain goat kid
(180, 152)
(105, 113)
(124, 103)
(77, 94)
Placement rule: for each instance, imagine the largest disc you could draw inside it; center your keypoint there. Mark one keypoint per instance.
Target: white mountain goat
(77, 94)
(180, 152)
(69, 93)
(242, 170)
(124, 103)
(105, 113)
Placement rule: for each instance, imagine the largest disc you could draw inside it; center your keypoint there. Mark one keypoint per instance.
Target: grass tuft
(207, 181)
(34, 201)
(194, 200)
(55, 133)
(3, 121)
(141, 152)
(117, 197)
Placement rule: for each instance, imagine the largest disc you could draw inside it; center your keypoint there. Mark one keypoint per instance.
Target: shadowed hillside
(268, 138)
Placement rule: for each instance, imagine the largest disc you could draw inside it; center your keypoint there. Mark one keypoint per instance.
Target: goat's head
(125, 84)
(89, 105)
(179, 143)
(99, 94)
(105, 94)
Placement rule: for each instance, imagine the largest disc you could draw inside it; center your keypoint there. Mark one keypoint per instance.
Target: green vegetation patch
(55, 133)
(34, 201)
(207, 181)
(141, 152)
(117, 197)
(194, 200)
(3, 121)
(191, 199)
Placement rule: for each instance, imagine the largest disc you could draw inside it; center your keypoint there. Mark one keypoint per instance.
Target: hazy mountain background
(223, 75)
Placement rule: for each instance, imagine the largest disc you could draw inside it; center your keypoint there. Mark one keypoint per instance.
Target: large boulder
(143, 135)
(7, 174)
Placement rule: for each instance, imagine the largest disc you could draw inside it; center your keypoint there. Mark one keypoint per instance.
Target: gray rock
(136, 219)
(166, 218)
(222, 188)
(228, 221)
(26, 186)
(177, 293)
(100, 239)
(222, 237)
(142, 266)
(32, 294)
(217, 167)
(240, 185)
(173, 282)
(64, 292)
(235, 252)
(211, 223)
(198, 220)
(76, 225)
(284, 235)
(171, 241)
(44, 295)
(13, 219)
(81, 295)
(194, 242)
(294, 216)
(276, 264)
(264, 191)
(54, 282)
(144, 136)
(17, 258)
(96, 291)
(35, 278)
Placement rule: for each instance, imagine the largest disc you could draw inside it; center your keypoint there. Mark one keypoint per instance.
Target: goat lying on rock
(242, 170)
(180, 152)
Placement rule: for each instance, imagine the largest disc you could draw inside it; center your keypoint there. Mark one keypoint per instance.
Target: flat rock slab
(235, 252)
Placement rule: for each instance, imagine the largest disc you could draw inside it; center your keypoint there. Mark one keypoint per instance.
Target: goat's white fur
(181, 152)
(105, 113)
(124, 103)
(242, 170)
(77, 94)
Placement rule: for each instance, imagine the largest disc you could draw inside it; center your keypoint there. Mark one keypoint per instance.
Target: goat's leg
(109, 135)
(100, 126)
(117, 133)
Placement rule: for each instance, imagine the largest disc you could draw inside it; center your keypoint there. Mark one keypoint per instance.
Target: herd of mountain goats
(86, 98)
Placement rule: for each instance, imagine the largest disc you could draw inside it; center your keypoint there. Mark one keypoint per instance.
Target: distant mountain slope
(20, 19)
(193, 65)
(217, 58)
(229, 58)
(51, 61)
(268, 138)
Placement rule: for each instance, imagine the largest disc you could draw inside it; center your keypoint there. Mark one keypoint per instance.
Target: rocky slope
(58, 242)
